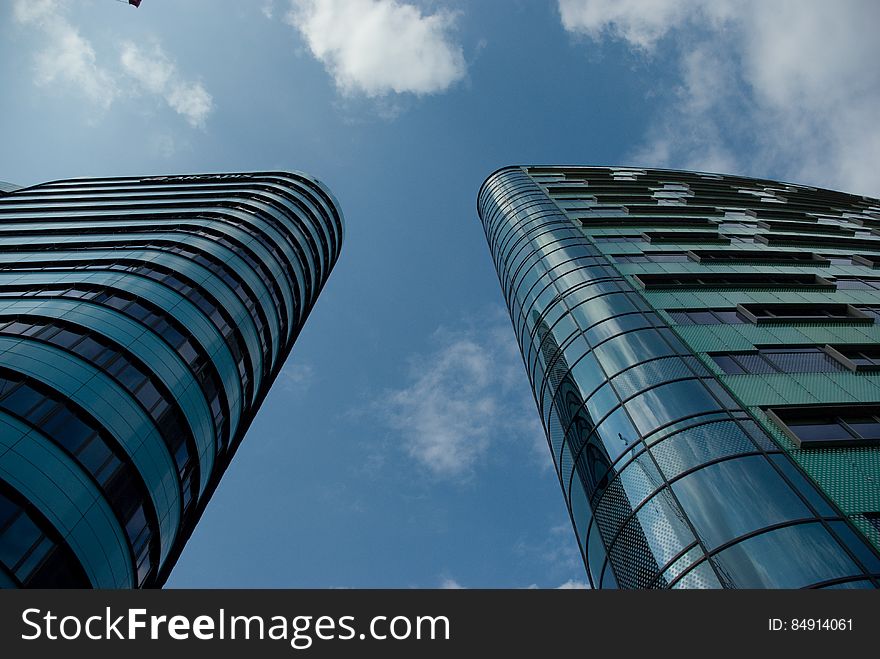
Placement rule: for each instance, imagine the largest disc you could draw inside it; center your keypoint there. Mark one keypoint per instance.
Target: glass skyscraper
(704, 352)
(142, 322)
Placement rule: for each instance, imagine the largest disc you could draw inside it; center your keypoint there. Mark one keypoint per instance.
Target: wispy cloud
(450, 584)
(296, 377)
(66, 58)
(557, 550)
(380, 47)
(461, 398)
(573, 584)
(156, 73)
(769, 88)
(69, 61)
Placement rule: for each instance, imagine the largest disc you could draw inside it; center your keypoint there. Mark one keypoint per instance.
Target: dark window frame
(840, 415)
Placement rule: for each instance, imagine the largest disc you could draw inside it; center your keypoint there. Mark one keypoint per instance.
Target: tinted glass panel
(735, 497)
(790, 557)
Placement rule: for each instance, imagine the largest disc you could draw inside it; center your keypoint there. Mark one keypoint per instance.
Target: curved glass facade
(672, 480)
(142, 321)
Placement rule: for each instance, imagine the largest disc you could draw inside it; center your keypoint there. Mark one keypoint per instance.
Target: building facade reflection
(670, 479)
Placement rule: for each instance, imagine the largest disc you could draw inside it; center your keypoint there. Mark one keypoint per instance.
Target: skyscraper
(142, 322)
(705, 357)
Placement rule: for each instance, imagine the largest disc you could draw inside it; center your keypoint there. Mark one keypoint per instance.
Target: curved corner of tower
(490, 179)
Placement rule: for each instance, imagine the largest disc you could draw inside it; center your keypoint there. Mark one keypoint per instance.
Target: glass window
(632, 348)
(670, 402)
(804, 486)
(36, 556)
(8, 510)
(830, 425)
(128, 374)
(617, 433)
(89, 349)
(22, 400)
(66, 429)
(816, 429)
(94, 454)
(17, 540)
(616, 325)
(731, 498)
(728, 316)
(810, 359)
(595, 554)
(728, 364)
(790, 557)
(698, 444)
(580, 511)
(149, 395)
(65, 338)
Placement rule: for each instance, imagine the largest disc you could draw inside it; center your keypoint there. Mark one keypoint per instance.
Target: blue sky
(400, 445)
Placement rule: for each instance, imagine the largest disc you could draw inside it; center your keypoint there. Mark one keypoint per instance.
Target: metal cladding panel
(142, 322)
(671, 473)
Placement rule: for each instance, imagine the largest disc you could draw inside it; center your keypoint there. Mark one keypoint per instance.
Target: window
(731, 280)
(857, 283)
(734, 497)
(685, 237)
(75, 435)
(870, 260)
(644, 221)
(71, 428)
(829, 426)
(791, 313)
(837, 259)
(651, 257)
(805, 227)
(856, 357)
(27, 551)
(818, 241)
(756, 256)
(811, 359)
(706, 317)
(741, 238)
(617, 239)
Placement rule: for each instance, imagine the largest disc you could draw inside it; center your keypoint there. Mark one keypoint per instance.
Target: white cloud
(378, 47)
(788, 86)
(641, 22)
(467, 394)
(66, 58)
(296, 377)
(154, 72)
(450, 584)
(573, 584)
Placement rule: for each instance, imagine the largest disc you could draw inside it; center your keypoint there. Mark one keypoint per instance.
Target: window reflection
(670, 402)
(789, 557)
(734, 497)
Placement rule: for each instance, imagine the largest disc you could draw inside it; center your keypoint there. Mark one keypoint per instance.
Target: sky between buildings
(400, 446)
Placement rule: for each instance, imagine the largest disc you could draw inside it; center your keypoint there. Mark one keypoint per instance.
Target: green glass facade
(142, 322)
(705, 357)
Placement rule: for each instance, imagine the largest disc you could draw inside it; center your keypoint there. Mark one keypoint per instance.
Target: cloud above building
(380, 47)
(154, 72)
(778, 88)
(65, 58)
(68, 61)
